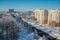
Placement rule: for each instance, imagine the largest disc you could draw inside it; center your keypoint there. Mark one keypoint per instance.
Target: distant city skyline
(29, 4)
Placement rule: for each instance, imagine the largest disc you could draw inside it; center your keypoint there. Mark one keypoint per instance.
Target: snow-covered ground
(53, 31)
(24, 35)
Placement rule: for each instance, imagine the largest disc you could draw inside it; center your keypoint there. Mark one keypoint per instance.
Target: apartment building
(54, 17)
(41, 16)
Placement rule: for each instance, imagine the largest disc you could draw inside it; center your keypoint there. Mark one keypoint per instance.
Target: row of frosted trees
(8, 28)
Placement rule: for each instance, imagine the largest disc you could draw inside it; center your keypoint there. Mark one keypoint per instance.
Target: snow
(24, 35)
(47, 29)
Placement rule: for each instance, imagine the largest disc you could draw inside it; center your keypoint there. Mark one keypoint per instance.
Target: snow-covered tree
(8, 28)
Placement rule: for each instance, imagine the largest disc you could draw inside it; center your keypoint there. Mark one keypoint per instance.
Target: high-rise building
(41, 16)
(50, 17)
(11, 10)
(54, 17)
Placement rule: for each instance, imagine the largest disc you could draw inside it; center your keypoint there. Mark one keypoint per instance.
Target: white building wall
(41, 15)
(54, 16)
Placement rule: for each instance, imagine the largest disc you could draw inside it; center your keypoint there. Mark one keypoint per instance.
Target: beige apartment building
(41, 16)
(54, 17)
(50, 17)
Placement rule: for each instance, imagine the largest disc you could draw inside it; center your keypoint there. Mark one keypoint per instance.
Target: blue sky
(29, 4)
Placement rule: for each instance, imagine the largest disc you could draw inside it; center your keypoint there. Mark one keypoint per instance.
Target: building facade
(50, 17)
(54, 17)
(41, 16)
